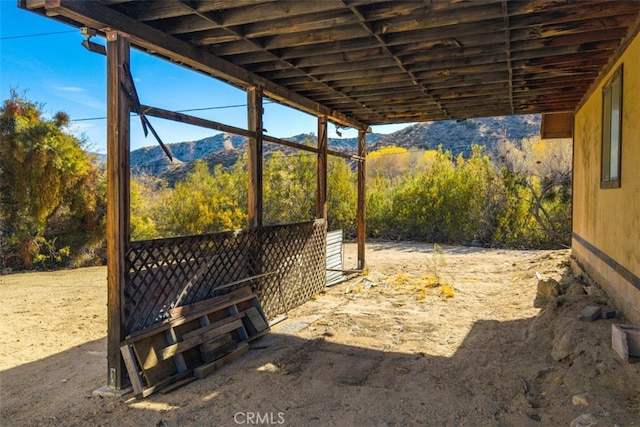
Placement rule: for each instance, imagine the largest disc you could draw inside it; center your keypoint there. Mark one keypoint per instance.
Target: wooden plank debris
(215, 349)
(185, 345)
(204, 370)
(257, 320)
(129, 362)
(166, 356)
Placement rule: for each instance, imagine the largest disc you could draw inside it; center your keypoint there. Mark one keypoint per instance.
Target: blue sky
(57, 71)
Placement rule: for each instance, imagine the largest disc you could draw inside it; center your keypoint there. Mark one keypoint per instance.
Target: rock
(595, 291)
(584, 420)
(563, 348)
(608, 313)
(581, 399)
(575, 289)
(548, 290)
(589, 313)
(565, 339)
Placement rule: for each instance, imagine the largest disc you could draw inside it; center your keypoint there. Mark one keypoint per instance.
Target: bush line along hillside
(53, 194)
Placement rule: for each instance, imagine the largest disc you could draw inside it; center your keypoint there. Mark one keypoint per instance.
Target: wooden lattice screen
(167, 273)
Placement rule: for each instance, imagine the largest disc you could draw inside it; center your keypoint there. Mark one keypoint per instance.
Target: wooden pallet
(199, 337)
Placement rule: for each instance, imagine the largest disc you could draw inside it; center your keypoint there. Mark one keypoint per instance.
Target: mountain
(454, 135)
(153, 161)
(458, 136)
(228, 155)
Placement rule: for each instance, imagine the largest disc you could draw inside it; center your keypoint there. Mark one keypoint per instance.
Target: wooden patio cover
(353, 62)
(364, 62)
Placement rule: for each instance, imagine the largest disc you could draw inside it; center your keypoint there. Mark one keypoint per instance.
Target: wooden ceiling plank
(499, 66)
(153, 10)
(569, 12)
(250, 59)
(397, 78)
(393, 9)
(362, 73)
(569, 59)
(524, 50)
(373, 52)
(214, 18)
(521, 50)
(339, 52)
(457, 63)
(507, 38)
(274, 10)
(306, 22)
(366, 57)
(210, 37)
(387, 50)
(347, 67)
(355, 44)
(567, 28)
(298, 24)
(327, 35)
(371, 97)
(148, 11)
(450, 17)
(182, 24)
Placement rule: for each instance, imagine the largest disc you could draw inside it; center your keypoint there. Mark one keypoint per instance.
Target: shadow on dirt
(502, 374)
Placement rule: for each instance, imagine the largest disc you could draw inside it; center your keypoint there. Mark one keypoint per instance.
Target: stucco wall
(606, 222)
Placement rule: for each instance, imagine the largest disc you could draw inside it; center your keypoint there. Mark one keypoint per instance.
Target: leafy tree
(289, 188)
(202, 203)
(145, 195)
(47, 181)
(388, 162)
(379, 207)
(342, 195)
(540, 173)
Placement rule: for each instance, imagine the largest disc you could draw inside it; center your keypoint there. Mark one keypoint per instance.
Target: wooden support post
(117, 202)
(254, 105)
(321, 200)
(362, 222)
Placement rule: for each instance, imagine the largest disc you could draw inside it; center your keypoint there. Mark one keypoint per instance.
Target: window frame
(612, 91)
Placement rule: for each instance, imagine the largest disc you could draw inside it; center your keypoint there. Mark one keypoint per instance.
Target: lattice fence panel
(297, 252)
(167, 273)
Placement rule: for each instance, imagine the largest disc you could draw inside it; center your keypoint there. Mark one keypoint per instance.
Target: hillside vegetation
(509, 194)
(225, 149)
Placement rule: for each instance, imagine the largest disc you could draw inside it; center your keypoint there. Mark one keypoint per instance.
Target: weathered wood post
(254, 118)
(254, 166)
(118, 108)
(362, 221)
(321, 200)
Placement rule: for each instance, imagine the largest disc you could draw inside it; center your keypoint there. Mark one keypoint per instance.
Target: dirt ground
(427, 338)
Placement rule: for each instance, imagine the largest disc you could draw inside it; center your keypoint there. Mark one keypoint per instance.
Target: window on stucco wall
(611, 130)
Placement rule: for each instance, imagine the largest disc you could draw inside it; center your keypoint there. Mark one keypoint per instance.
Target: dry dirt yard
(388, 348)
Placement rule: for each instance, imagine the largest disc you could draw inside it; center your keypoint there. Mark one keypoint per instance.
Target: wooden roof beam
(97, 16)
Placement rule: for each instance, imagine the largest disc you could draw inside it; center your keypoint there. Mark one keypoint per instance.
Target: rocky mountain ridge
(454, 135)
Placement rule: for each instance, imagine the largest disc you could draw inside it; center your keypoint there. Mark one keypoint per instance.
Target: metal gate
(335, 274)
